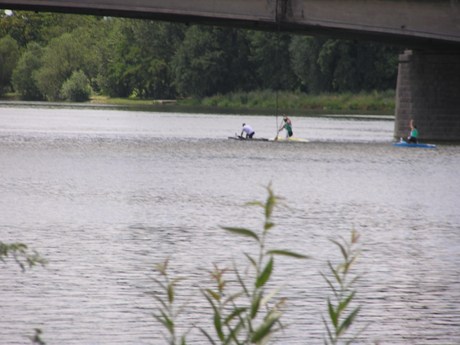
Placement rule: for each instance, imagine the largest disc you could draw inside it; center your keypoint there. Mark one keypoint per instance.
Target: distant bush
(76, 88)
(24, 81)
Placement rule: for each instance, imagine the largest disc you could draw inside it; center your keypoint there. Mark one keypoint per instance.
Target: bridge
(428, 87)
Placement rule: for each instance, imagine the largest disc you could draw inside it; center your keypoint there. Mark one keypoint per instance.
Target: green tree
(76, 88)
(9, 55)
(61, 57)
(304, 61)
(23, 76)
(138, 58)
(42, 27)
(271, 59)
(211, 60)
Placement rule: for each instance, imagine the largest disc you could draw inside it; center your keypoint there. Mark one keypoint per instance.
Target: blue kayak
(405, 144)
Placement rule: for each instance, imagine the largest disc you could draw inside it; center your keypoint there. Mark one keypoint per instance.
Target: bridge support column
(428, 91)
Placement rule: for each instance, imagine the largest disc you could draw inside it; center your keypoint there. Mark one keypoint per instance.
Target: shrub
(76, 88)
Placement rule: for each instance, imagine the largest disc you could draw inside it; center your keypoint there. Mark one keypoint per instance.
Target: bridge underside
(411, 23)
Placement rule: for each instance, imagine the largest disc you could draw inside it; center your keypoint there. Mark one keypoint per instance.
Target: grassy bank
(269, 102)
(300, 103)
(262, 102)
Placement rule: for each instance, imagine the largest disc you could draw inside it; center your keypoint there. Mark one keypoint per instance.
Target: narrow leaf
(265, 275)
(207, 336)
(171, 293)
(287, 253)
(242, 231)
(344, 303)
(253, 262)
(213, 294)
(342, 249)
(332, 313)
(348, 321)
(255, 304)
(218, 325)
(264, 329)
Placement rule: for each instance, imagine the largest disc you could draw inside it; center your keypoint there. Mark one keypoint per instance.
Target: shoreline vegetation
(254, 102)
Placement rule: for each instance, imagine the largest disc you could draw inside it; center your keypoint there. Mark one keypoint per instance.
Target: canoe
(280, 139)
(420, 145)
(239, 137)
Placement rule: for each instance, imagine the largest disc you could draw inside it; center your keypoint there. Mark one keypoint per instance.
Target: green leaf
(235, 313)
(336, 274)
(213, 294)
(332, 314)
(287, 253)
(342, 249)
(264, 329)
(218, 324)
(253, 262)
(171, 293)
(266, 273)
(348, 321)
(166, 321)
(207, 336)
(241, 282)
(269, 204)
(242, 231)
(344, 303)
(255, 304)
(268, 226)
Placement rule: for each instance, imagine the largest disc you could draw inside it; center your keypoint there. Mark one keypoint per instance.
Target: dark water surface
(104, 195)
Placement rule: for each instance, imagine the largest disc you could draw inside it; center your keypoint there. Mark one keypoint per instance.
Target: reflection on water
(104, 195)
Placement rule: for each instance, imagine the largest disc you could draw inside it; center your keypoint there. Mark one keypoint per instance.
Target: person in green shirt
(287, 125)
(413, 136)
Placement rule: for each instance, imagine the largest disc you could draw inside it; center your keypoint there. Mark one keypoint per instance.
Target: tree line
(48, 56)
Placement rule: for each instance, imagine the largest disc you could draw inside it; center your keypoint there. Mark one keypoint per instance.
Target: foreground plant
(341, 282)
(21, 254)
(249, 315)
(37, 339)
(167, 312)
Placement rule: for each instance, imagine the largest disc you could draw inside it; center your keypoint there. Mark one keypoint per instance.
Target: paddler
(413, 136)
(287, 125)
(248, 130)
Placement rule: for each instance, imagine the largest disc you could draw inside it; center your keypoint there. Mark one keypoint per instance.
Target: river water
(104, 195)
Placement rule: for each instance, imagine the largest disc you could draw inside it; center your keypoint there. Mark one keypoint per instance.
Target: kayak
(406, 144)
(290, 139)
(239, 137)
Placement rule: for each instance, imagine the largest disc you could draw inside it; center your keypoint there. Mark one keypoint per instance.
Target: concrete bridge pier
(428, 91)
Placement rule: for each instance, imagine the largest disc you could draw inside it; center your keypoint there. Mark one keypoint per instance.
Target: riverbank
(255, 102)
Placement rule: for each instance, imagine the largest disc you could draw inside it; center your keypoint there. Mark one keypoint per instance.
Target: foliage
(61, 58)
(343, 66)
(243, 314)
(341, 284)
(167, 313)
(76, 88)
(21, 255)
(249, 315)
(131, 57)
(37, 339)
(9, 54)
(23, 76)
(270, 58)
(139, 59)
(207, 61)
(299, 103)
